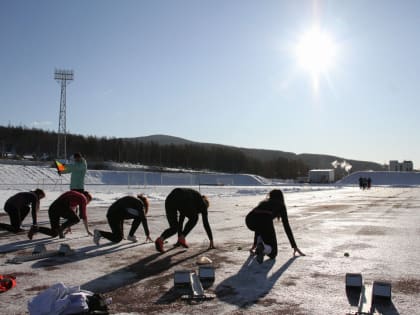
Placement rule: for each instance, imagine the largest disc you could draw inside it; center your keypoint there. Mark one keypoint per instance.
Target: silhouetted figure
(189, 203)
(65, 207)
(18, 207)
(125, 208)
(260, 220)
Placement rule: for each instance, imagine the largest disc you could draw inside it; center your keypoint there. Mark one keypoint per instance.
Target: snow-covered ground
(378, 228)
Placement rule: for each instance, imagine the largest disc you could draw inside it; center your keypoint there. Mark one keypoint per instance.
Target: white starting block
(381, 289)
(354, 280)
(40, 252)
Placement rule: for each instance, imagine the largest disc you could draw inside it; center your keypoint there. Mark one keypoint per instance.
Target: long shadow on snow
(26, 244)
(84, 253)
(144, 268)
(251, 282)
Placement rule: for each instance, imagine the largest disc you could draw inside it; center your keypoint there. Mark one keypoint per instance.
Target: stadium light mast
(63, 77)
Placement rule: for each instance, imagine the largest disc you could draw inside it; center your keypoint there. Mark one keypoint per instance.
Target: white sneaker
(132, 238)
(96, 237)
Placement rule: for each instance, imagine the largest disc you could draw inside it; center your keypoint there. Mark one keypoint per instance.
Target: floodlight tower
(63, 77)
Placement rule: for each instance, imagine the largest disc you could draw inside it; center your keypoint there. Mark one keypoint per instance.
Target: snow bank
(43, 175)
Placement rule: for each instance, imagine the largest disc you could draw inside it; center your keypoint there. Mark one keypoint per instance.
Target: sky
(325, 77)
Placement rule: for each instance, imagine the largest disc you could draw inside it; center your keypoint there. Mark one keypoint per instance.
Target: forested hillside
(20, 141)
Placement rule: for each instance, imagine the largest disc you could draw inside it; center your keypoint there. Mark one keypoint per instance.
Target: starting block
(206, 275)
(381, 289)
(40, 252)
(39, 248)
(188, 283)
(198, 294)
(354, 280)
(182, 280)
(367, 293)
(65, 250)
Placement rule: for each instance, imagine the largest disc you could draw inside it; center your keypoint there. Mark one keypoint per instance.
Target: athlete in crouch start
(260, 220)
(125, 208)
(189, 203)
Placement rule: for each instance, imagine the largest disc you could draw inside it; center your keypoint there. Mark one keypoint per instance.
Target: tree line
(40, 143)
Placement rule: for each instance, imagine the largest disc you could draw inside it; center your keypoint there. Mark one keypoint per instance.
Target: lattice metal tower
(63, 77)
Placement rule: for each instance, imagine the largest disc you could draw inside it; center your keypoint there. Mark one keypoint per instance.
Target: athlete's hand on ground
(297, 250)
(90, 233)
(68, 230)
(148, 239)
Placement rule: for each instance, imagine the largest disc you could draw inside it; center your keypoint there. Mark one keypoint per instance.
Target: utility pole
(63, 77)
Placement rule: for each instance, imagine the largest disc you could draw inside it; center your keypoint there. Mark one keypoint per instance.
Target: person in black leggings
(189, 203)
(125, 208)
(260, 220)
(65, 207)
(18, 207)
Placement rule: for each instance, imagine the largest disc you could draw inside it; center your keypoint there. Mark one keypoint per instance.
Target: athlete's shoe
(132, 238)
(96, 237)
(32, 231)
(60, 233)
(182, 242)
(259, 251)
(159, 245)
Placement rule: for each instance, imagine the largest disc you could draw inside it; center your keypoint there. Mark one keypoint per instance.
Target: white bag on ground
(59, 300)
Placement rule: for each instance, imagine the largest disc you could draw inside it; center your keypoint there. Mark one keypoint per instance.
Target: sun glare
(315, 52)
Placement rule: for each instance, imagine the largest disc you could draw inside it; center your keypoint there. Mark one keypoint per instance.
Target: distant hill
(313, 161)
(162, 139)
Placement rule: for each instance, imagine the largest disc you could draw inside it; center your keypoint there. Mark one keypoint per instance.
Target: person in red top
(18, 207)
(65, 207)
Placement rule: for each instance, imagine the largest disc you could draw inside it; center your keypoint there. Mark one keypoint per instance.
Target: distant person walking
(18, 207)
(189, 204)
(78, 172)
(260, 220)
(65, 207)
(125, 208)
(361, 182)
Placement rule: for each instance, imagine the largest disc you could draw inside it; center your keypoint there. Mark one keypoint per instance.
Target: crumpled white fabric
(59, 300)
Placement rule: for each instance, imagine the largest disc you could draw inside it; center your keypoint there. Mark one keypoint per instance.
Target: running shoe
(159, 245)
(182, 242)
(132, 238)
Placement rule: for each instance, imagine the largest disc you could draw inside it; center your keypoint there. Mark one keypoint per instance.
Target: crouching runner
(65, 207)
(189, 203)
(125, 208)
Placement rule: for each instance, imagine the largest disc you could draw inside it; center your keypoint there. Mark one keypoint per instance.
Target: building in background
(405, 166)
(321, 176)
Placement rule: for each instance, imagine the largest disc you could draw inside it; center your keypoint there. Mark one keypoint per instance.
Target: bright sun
(316, 52)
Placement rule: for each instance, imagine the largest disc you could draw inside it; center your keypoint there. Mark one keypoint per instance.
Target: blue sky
(218, 71)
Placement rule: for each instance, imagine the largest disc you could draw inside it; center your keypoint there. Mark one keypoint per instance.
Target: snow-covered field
(379, 228)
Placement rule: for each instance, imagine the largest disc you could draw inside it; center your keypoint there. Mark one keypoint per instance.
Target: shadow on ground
(152, 265)
(251, 283)
(84, 253)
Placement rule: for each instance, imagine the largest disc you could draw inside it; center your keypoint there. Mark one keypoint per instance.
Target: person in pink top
(65, 207)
